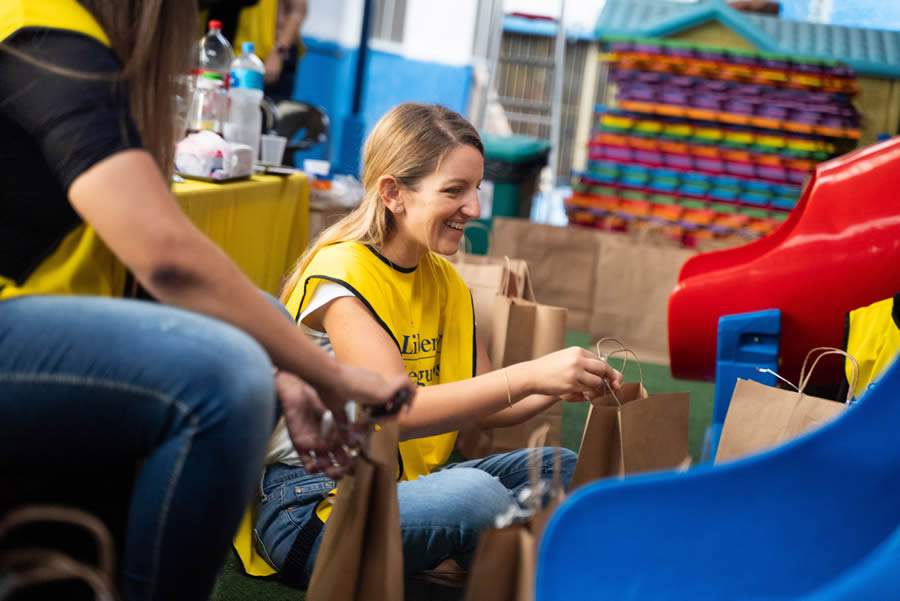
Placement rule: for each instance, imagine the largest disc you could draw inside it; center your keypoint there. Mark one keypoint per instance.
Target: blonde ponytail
(407, 143)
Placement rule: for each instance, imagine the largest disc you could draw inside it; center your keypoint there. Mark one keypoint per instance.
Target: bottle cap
(215, 24)
(248, 48)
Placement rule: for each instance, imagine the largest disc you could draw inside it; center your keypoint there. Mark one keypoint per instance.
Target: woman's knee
(464, 497)
(234, 385)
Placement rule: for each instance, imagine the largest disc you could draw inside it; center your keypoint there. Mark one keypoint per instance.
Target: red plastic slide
(838, 250)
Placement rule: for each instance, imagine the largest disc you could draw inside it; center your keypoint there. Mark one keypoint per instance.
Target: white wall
(335, 20)
(581, 15)
(440, 31)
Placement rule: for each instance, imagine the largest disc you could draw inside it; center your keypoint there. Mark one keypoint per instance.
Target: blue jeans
(87, 379)
(440, 514)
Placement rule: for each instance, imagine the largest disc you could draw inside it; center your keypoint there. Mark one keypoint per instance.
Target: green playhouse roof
(868, 51)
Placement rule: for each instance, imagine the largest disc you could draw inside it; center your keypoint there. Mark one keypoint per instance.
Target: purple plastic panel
(773, 112)
(714, 165)
(648, 156)
(796, 177)
(618, 152)
(775, 173)
(681, 161)
(674, 97)
(740, 107)
(805, 117)
(739, 168)
(705, 101)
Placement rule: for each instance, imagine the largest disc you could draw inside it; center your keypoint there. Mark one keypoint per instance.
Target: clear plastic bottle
(244, 117)
(209, 109)
(215, 53)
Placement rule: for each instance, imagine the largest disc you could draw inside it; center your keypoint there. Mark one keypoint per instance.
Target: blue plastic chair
(783, 524)
(877, 576)
(745, 343)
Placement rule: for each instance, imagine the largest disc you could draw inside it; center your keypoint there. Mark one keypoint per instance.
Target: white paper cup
(271, 149)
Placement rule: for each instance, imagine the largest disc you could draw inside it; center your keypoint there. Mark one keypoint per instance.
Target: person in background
(184, 386)
(274, 28)
(374, 290)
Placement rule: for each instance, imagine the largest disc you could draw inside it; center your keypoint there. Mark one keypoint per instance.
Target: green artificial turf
(234, 585)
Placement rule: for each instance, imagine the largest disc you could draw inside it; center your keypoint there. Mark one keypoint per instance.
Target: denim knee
(236, 389)
(442, 514)
(465, 498)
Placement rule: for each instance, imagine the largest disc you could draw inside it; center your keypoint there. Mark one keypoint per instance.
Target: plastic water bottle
(209, 109)
(215, 53)
(244, 118)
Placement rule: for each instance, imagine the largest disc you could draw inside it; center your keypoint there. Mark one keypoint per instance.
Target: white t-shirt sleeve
(325, 293)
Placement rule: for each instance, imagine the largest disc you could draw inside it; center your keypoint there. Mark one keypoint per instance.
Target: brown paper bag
(645, 433)
(760, 417)
(503, 568)
(633, 280)
(561, 261)
(487, 277)
(525, 330)
(631, 431)
(361, 557)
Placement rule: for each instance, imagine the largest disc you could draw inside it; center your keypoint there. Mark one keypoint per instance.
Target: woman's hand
(572, 374)
(365, 387)
(303, 413)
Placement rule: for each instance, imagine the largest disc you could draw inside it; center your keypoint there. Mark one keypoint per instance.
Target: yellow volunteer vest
(874, 341)
(81, 263)
(258, 24)
(428, 313)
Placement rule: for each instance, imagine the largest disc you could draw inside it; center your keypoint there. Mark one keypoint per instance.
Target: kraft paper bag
(524, 330)
(361, 557)
(503, 568)
(487, 277)
(630, 432)
(634, 277)
(761, 417)
(561, 261)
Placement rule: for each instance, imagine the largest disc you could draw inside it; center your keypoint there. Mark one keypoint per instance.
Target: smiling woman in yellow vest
(375, 290)
(88, 378)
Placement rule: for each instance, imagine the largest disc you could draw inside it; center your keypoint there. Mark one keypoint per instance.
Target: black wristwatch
(283, 51)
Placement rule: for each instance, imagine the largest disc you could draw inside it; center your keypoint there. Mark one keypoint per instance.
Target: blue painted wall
(325, 78)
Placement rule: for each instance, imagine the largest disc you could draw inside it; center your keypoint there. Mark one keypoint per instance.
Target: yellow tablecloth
(261, 223)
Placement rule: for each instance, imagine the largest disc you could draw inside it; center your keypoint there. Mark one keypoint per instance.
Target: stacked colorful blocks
(708, 142)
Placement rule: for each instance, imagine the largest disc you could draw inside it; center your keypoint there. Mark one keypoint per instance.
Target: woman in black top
(86, 141)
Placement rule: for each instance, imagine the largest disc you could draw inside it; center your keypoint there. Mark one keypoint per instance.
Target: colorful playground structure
(708, 142)
(839, 249)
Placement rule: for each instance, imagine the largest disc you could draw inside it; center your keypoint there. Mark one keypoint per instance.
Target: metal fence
(524, 83)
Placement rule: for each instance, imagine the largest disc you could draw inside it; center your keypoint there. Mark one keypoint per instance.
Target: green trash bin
(513, 164)
(478, 236)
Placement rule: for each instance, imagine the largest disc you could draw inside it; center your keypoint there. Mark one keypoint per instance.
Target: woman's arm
(358, 340)
(127, 201)
(523, 410)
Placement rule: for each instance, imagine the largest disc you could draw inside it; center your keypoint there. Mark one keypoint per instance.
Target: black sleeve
(76, 120)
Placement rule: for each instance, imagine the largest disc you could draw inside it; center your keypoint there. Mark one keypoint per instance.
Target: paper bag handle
(623, 350)
(65, 515)
(824, 351)
(507, 274)
(38, 566)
